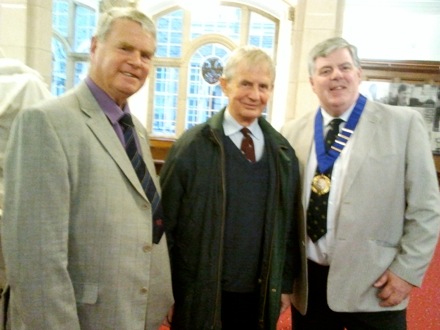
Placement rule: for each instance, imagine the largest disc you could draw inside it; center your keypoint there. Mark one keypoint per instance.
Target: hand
(392, 289)
(169, 318)
(285, 302)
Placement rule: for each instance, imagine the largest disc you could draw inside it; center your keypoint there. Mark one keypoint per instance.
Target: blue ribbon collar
(327, 159)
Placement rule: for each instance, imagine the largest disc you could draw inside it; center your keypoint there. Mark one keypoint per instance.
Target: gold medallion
(321, 184)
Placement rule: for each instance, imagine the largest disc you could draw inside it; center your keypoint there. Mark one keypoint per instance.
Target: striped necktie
(247, 145)
(143, 175)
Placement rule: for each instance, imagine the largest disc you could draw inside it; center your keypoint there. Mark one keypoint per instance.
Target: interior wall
(315, 21)
(402, 30)
(30, 39)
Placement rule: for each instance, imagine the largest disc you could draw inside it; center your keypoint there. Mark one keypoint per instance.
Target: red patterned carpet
(424, 305)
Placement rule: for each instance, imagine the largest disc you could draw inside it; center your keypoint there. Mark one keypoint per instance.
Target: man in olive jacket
(231, 222)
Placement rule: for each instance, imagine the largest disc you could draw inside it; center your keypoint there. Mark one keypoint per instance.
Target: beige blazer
(77, 227)
(389, 214)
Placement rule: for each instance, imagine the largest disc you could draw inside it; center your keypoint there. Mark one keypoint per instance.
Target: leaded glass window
(58, 67)
(262, 32)
(185, 87)
(204, 95)
(192, 48)
(74, 23)
(227, 22)
(170, 35)
(165, 100)
(85, 23)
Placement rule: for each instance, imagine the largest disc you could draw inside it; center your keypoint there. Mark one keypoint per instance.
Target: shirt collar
(326, 118)
(113, 112)
(231, 126)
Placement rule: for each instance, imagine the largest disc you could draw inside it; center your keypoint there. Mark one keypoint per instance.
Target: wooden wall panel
(159, 150)
(413, 72)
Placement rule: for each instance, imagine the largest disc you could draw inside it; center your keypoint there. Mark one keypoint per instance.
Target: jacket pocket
(86, 293)
(386, 244)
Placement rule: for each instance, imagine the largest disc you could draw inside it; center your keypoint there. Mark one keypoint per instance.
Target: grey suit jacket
(389, 214)
(77, 226)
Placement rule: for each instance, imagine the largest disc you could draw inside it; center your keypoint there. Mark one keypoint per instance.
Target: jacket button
(144, 290)
(146, 248)
(274, 290)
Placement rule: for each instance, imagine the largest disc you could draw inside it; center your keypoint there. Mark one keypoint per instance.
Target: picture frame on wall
(424, 98)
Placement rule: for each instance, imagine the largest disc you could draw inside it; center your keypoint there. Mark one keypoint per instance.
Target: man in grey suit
(371, 201)
(77, 228)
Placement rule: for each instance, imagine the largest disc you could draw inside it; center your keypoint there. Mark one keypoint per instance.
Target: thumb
(381, 281)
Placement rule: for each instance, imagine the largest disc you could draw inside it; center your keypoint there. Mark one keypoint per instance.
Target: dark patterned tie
(317, 210)
(143, 175)
(247, 145)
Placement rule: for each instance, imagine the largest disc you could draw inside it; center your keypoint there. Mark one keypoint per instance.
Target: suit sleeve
(422, 214)
(35, 227)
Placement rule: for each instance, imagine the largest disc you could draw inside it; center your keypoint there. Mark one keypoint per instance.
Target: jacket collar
(215, 123)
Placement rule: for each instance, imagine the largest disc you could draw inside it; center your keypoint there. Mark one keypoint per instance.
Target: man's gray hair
(328, 46)
(252, 56)
(107, 18)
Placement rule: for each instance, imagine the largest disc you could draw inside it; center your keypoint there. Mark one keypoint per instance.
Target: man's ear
(224, 85)
(312, 83)
(360, 75)
(93, 45)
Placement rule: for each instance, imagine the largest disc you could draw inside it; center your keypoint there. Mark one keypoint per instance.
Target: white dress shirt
(321, 251)
(232, 129)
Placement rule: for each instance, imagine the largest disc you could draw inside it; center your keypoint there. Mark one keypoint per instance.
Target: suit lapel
(101, 128)
(366, 130)
(302, 148)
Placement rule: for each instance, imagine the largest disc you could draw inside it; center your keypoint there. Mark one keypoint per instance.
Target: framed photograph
(425, 98)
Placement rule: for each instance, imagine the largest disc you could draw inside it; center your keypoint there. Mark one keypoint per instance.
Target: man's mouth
(128, 74)
(337, 88)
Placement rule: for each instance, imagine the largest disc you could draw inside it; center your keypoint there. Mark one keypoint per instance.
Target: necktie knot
(126, 120)
(334, 124)
(245, 131)
(332, 132)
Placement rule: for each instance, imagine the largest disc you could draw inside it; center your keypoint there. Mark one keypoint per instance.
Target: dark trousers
(239, 310)
(320, 317)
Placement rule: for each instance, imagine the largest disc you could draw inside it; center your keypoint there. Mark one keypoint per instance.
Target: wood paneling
(427, 72)
(159, 150)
